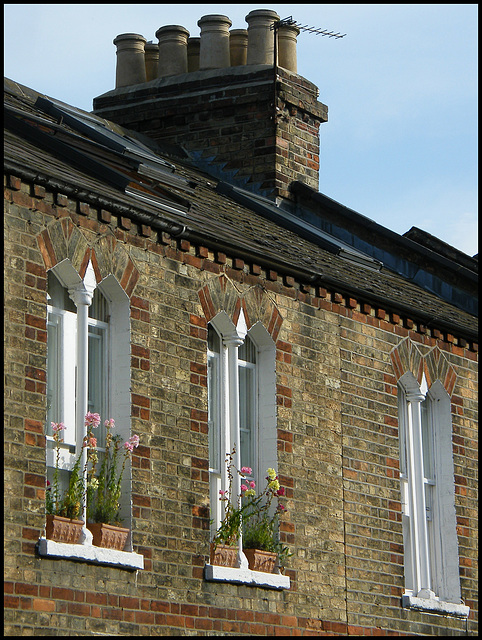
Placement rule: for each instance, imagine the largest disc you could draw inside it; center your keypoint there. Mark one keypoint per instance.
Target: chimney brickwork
(259, 128)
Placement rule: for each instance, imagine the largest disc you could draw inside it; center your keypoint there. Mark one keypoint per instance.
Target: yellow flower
(271, 474)
(274, 484)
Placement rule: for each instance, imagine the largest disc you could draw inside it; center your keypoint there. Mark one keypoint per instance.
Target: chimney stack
(221, 98)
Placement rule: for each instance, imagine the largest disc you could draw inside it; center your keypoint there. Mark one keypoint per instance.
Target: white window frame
(226, 377)
(429, 530)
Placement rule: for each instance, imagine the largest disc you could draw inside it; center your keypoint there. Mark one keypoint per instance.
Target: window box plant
(63, 509)
(102, 491)
(261, 544)
(255, 517)
(104, 488)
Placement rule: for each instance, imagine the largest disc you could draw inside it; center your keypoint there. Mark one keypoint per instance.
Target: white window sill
(214, 573)
(432, 604)
(90, 553)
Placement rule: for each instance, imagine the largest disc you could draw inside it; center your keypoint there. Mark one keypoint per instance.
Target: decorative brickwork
(419, 360)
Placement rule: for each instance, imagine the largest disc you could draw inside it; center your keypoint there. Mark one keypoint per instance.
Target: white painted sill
(433, 604)
(237, 575)
(90, 553)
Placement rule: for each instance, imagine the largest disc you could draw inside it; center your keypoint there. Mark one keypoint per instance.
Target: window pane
(247, 351)
(247, 413)
(214, 413)
(53, 370)
(57, 295)
(214, 341)
(98, 377)
(214, 400)
(427, 439)
(99, 307)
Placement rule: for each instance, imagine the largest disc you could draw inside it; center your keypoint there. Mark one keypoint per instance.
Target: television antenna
(289, 22)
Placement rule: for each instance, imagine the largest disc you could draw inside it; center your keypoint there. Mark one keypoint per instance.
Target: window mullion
(82, 297)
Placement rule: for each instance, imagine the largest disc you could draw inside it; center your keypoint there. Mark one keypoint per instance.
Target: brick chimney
(221, 97)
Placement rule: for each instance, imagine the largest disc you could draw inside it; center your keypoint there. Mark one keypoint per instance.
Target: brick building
(178, 232)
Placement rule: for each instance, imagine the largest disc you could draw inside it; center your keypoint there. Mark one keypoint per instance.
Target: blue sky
(400, 144)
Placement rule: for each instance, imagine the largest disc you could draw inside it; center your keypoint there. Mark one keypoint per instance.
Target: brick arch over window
(220, 294)
(418, 360)
(62, 240)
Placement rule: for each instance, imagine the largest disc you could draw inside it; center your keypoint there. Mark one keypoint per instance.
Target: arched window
(105, 365)
(241, 402)
(428, 498)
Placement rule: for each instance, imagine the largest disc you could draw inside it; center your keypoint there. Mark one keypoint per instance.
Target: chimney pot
(238, 46)
(193, 45)
(260, 36)
(131, 66)
(214, 49)
(172, 50)
(152, 60)
(287, 35)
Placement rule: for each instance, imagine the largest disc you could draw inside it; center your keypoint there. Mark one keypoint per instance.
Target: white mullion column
(419, 534)
(82, 297)
(231, 345)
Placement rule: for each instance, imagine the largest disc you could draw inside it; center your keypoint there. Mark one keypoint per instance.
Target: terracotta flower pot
(223, 555)
(259, 560)
(62, 529)
(108, 535)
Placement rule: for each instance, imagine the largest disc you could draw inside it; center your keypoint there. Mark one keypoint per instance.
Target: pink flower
(57, 426)
(281, 491)
(247, 470)
(134, 440)
(281, 507)
(222, 493)
(252, 484)
(244, 487)
(129, 446)
(92, 420)
(92, 443)
(109, 424)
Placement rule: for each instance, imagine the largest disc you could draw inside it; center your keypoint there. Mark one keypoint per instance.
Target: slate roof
(100, 162)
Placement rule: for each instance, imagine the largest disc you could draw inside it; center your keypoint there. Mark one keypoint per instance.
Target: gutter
(173, 228)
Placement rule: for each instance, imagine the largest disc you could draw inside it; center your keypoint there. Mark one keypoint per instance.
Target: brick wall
(228, 118)
(337, 443)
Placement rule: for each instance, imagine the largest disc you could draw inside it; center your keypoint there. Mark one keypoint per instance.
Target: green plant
(69, 503)
(261, 518)
(104, 489)
(230, 526)
(253, 515)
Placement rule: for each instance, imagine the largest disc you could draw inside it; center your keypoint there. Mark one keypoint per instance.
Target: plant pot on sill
(108, 535)
(62, 529)
(259, 560)
(223, 555)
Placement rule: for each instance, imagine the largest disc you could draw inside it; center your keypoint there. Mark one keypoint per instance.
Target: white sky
(400, 144)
